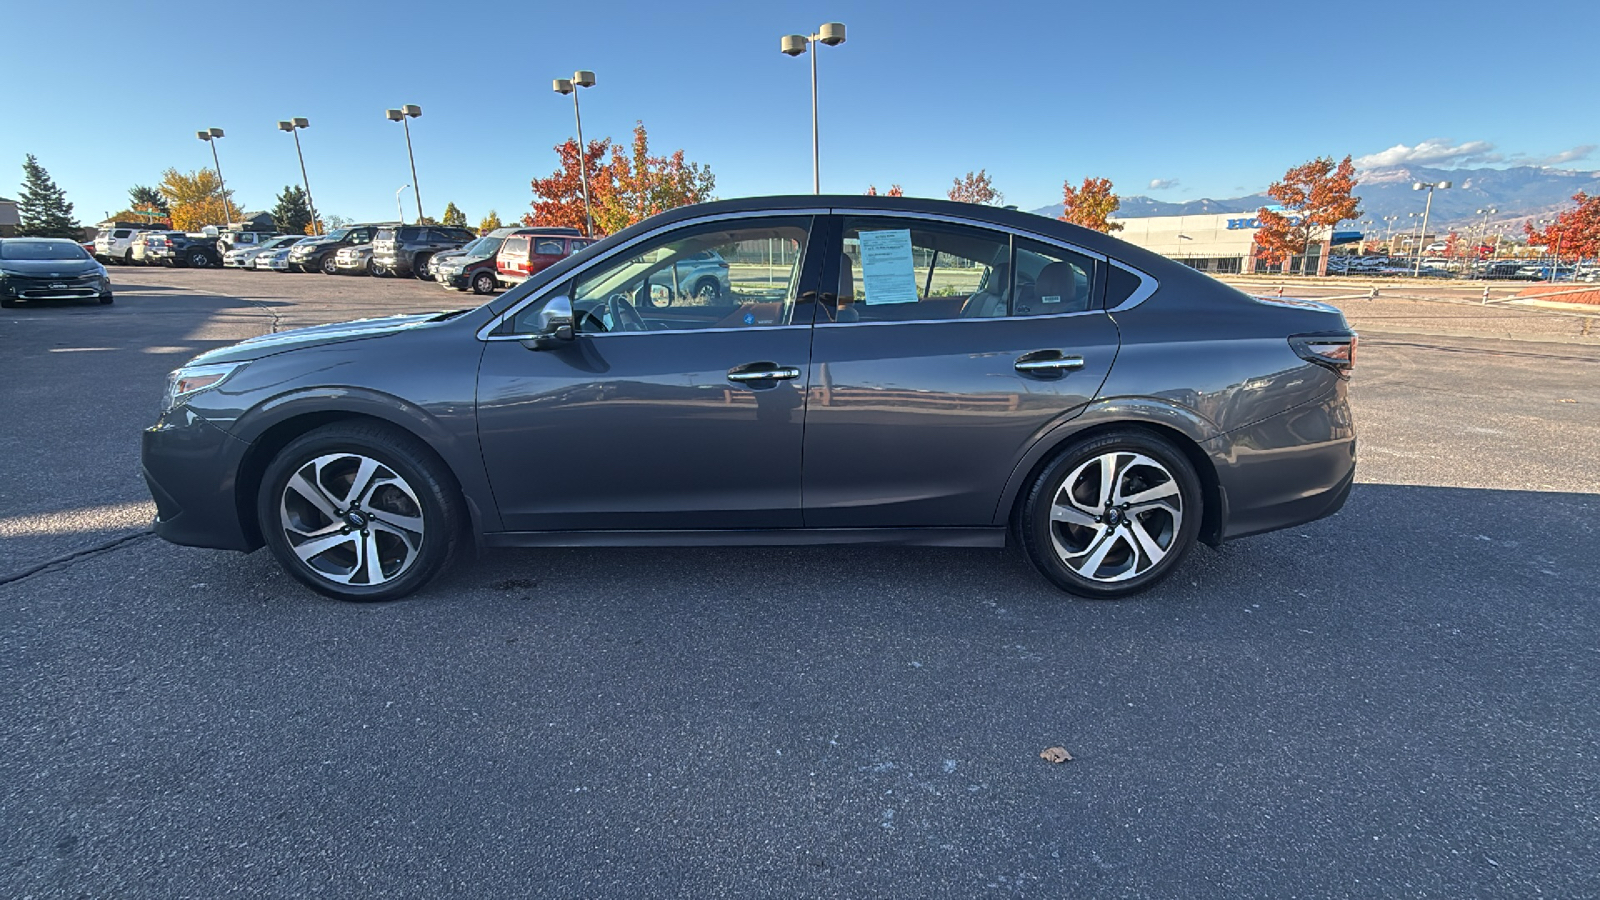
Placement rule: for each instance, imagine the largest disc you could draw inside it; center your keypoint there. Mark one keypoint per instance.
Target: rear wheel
(1112, 515)
(419, 267)
(198, 259)
(483, 283)
(360, 512)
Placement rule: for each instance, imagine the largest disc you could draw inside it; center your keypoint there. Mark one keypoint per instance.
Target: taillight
(1335, 351)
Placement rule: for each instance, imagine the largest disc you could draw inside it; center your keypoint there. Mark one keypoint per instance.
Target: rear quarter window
(1120, 285)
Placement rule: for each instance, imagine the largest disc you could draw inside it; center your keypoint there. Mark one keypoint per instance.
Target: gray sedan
(871, 370)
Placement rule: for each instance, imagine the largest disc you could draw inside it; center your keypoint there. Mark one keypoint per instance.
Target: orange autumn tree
(1312, 196)
(558, 198)
(894, 191)
(976, 187)
(1091, 205)
(639, 185)
(1576, 232)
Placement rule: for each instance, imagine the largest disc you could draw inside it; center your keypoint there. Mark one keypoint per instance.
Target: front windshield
(483, 247)
(41, 250)
(284, 241)
(339, 235)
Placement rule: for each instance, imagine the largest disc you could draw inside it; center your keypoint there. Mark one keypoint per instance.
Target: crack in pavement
(63, 561)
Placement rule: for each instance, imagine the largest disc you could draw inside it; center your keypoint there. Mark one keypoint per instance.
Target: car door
(658, 413)
(946, 351)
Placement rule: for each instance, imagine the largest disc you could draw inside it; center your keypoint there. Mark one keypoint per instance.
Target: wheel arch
(270, 439)
(1183, 430)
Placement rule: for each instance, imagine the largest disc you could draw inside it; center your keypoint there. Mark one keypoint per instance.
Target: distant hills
(1518, 193)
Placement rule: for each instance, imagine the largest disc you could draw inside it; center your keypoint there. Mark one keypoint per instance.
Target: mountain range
(1519, 193)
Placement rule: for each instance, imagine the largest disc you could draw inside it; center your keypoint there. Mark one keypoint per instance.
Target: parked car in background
(318, 255)
(114, 243)
(139, 254)
(1033, 383)
(277, 259)
(242, 257)
(233, 240)
(528, 251)
(355, 259)
(37, 269)
(404, 250)
(472, 268)
(177, 248)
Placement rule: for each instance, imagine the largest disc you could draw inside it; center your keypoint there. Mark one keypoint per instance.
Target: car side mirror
(555, 324)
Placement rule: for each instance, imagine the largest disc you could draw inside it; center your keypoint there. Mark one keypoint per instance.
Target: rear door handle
(1048, 362)
(762, 372)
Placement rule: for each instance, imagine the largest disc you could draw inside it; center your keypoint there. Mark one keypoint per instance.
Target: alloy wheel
(352, 520)
(1116, 516)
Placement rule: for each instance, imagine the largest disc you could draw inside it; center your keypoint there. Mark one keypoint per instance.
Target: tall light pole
(402, 115)
(580, 79)
(1388, 234)
(1429, 186)
(210, 136)
(398, 208)
(293, 126)
(832, 34)
(1483, 229)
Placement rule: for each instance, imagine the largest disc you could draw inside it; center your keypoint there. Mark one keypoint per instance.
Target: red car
(530, 250)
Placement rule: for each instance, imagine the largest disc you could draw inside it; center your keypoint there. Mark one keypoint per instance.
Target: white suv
(114, 244)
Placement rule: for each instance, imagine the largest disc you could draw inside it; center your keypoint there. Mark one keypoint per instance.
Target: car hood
(311, 245)
(284, 341)
(49, 268)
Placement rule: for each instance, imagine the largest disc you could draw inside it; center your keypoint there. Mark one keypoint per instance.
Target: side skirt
(768, 537)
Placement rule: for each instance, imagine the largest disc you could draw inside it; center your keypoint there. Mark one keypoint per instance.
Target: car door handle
(767, 372)
(1038, 362)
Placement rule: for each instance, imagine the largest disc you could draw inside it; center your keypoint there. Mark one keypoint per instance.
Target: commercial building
(1221, 243)
(9, 218)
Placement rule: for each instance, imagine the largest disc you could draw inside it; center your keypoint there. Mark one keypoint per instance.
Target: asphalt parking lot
(1398, 701)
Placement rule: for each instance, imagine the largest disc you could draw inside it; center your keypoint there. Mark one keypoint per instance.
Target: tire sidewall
(394, 450)
(480, 278)
(1033, 521)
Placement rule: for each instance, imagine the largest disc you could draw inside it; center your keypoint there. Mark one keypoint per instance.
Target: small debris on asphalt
(1056, 755)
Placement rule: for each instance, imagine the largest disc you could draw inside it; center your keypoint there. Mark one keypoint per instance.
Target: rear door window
(896, 270)
(547, 247)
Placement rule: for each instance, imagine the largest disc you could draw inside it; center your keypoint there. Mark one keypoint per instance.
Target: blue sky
(1217, 98)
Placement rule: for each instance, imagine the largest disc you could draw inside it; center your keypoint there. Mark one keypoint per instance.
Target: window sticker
(1053, 298)
(887, 273)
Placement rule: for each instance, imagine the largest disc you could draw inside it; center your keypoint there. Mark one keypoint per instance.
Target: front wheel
(329, 265)
(483, 283)
(1112, 514)
(107, 298)
(360, 512)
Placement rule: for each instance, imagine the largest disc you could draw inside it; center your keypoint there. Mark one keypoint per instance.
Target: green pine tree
(143, 197)
(293, 212)
(453, 216)
(43, 207)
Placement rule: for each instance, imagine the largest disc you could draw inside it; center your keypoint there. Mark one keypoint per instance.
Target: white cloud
(1434, 152)
(1163, 184)
(1566, 156)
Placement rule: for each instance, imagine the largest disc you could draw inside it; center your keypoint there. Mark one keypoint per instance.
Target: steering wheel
(623, 316)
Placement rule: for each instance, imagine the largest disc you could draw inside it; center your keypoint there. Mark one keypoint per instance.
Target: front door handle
(762, 372)
(1048, 362)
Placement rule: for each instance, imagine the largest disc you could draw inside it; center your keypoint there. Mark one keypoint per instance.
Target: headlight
(190, 380)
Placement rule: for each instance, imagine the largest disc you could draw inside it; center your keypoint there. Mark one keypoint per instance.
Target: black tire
(1040, 536)
(441, 509)
(419, 266)
(198, 259)
(8, 303)
(127, 257)
(708, 289)
(107, 298)
(484, 283)
(328, 265)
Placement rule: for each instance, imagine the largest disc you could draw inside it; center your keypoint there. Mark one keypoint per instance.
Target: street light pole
(580, 79)
(831, 34)
(293, 126)
(1430, 185)
(403, 115)
(210, 136)
(398, 208)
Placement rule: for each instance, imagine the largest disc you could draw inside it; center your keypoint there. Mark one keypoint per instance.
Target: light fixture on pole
(832, 34)
(1429, 186)
(402, 115)
(580, 79)
(293, 126)
(1483, 229)
(210, 136)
